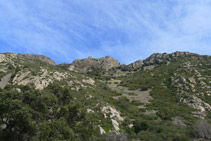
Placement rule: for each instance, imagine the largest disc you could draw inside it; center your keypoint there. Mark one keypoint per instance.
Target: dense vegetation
(166, 103)
(48, 115)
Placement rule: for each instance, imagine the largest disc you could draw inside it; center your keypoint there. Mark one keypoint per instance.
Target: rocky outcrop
(158, 58)
(89, 81)
(9, 57)
(198, 104)
(89, 64)
(181, 54)
(102, 131)
(2, 57)
(136, 65)
(33, 58)
(40, 81)
(179, 122)
(5, 80)
(164, 58)
(114, 115)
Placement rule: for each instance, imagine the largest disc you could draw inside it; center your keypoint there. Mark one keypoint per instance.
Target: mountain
(164, 97)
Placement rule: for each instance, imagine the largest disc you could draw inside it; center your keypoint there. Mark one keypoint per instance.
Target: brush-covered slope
(180, 86)
(165, 97)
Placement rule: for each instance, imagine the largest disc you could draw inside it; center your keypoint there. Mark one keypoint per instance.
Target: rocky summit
(89, 64)
(164, 97)
(8, 57)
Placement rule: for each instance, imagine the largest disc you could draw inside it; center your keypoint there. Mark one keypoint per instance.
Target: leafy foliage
(48, 115)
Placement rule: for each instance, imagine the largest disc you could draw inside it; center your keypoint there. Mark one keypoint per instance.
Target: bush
(116, 137)
(143, 88)
(140, 125)
(203, 129)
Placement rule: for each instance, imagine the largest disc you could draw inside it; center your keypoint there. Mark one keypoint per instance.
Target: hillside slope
(165, 97)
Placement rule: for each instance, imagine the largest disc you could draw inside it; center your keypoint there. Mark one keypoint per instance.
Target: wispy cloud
(127, 30)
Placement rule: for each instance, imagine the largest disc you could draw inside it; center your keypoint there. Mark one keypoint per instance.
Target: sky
(127, 30)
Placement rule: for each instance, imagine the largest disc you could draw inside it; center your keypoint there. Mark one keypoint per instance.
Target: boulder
(192, 80)
(5, 80)
(89, 81)
(182, 80)
(2, 57)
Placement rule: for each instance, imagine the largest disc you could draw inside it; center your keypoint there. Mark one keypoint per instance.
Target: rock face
(2, 57)
(40, 81)
(102, 131)
(89, 64)
(89, 81)
(179, 122)
(32, 57)
(114, 115)
(158, 58)
(8, 57)
(136, 65)
(5, 80)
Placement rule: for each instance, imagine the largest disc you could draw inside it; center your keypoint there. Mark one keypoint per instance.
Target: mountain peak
(88, 64)
(34, 57)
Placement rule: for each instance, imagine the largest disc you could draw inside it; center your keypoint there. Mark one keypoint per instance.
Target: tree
(15, 116)
(50, 114)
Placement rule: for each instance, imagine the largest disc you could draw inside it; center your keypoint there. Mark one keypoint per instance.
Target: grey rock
(182, 80)
(33, 58)
(192, 80)
(136, 65)
(159, 58)
(5, 80)
(2, 57)
(179, 122)
(89, 81)
(89, 64)
(156, 58)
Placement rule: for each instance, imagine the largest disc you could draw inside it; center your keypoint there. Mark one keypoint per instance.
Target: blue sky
(127, 30)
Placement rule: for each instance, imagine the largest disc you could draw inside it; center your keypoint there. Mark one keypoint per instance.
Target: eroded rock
(102, 131)
(40, 81)
(2, 57)
(112, 113)
(89, 81)
(89, 64)
(4, 81)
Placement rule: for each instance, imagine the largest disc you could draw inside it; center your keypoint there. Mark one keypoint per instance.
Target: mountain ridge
(151, 59)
